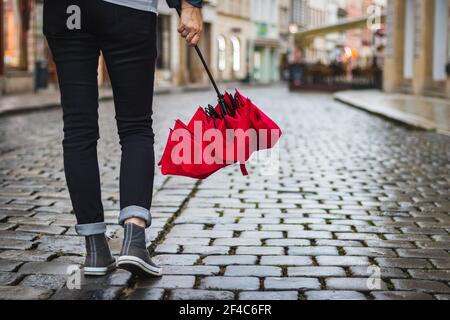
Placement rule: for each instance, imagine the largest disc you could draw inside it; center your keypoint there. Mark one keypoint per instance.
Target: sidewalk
(50, 98)
(423, 112)
(18, 103)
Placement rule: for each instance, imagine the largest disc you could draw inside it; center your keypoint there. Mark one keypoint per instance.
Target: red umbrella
(219, 136)
(213, 140)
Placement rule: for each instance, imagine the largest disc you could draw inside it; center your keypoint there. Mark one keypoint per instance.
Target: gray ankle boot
(99, 260)
(134, 256)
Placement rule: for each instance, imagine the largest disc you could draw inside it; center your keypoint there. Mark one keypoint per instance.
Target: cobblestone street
(356, 197)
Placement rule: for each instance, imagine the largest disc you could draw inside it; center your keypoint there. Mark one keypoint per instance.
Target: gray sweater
(152, 5)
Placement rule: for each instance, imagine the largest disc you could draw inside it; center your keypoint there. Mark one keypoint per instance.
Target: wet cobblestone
(355, 197)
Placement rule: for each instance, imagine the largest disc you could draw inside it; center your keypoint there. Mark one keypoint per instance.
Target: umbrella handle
(211, 78)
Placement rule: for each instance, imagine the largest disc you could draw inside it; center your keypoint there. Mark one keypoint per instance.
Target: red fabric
(172, 163)
(246, 116)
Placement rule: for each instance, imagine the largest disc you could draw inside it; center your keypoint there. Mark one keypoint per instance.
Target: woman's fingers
(189, 37)
(185, 33)
(194, 41)
(193, 38)
(192, 35)
(188, 31)
(191, 24)
(181, 28)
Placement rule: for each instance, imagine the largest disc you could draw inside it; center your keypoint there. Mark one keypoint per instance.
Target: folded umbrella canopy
(219, 136)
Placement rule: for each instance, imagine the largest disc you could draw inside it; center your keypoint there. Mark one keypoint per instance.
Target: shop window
(236, 53)
(16, 22)
(257, 65)
(222, 59)
(11, 33)
(440, 40)
(409, 45)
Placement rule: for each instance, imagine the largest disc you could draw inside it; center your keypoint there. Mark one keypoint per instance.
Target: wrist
(186, 5)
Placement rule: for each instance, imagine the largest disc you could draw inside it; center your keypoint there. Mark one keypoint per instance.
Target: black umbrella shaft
(205, 65)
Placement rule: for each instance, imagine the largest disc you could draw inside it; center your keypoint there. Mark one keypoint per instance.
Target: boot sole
(138, 267)
(99, 271)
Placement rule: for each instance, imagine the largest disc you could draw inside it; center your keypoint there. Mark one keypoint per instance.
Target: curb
(47, 106)
(401, 118)
(379, 114)
(39, 107)
(12, 112)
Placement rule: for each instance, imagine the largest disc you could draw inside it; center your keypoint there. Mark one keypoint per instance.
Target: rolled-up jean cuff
(135, 212)
(90, 229)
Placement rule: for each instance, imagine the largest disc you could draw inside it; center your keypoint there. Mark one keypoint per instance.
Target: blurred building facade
(242, 40)
(176, 63)
(265, 41)
(309, 14)
(286, 37)
(418, 48)
(232, 40)
(328, 39)
(360, 40)
(252, 40)
(20, 46)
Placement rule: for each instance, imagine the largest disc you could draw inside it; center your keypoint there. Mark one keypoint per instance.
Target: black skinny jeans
(127, 39)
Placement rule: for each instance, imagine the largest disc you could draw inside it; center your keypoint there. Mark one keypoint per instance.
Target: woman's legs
(127, 39)
(76, 54)
(129, 48)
